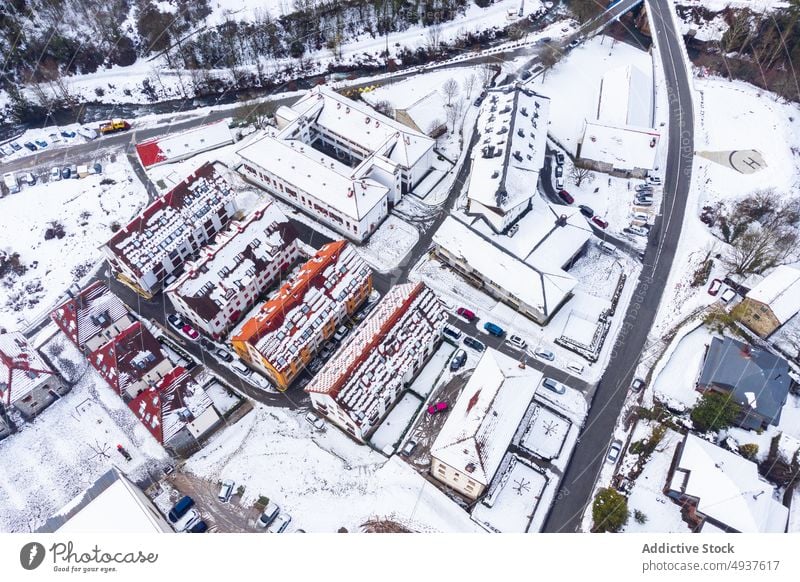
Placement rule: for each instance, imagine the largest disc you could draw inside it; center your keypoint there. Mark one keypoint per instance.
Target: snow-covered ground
(395, 424)
(515, 501)
(87, 209)
(676, 374)
(545, 433)
(221, 397)
(337, 484)
(389, 245)
(69, 445)
(425, 381)
(662, 514)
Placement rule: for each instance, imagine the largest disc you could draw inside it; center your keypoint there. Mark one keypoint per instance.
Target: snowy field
(337, 484)
(87, 210)
(389, 245)
(395, 424)
(425, 381)
(514, 502)
(68, 446)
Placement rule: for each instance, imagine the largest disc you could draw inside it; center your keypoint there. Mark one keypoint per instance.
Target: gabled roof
(483, 421)
(756, 378)
(728, 488)
(781, 291)
(88, 313)
(128, 357)
(166, 408)
(21, 368)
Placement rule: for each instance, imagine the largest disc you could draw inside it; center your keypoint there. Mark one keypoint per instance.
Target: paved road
(588, 458)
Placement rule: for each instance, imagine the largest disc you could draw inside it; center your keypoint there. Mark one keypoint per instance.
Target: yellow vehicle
(114, 126)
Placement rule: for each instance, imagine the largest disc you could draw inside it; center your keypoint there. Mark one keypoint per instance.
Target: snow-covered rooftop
(781, 291)
(428, 112)
(171, 219)
(626, 97)
(177, 146)
(88, 313)
(360, 124)
(111, 505)
(512, 133)
(543, 287)
(483, 421)
(241, 252)
(168, 407)
(728, 488)
(315, 296)
(310, 170)
(626, 147)
(374, 363)
(21, 368)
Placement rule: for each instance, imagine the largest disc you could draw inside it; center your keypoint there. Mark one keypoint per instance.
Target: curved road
(577, 486)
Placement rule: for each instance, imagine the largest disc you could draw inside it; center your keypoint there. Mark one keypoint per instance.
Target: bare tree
(469, 84)
(761, 248)
(580, 175)
(384, 107)
(549, 57)
(487, 73)
(450, 90)
(434, 37)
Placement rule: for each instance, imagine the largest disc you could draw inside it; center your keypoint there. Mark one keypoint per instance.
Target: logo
(31, 555)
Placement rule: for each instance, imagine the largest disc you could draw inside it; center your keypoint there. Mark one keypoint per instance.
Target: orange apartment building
(289, 329)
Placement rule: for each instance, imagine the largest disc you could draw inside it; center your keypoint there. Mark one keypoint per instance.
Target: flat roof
(624, 147)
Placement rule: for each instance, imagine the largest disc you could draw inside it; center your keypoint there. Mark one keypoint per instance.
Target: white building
(175, 147)
(26, 382)
(166, 233)
(512, 138)
(339, 161)
(112, 504)
(470, 446)
(537, 287)
(246, 258)
(621, 136)
(361, 383)
(723, 489)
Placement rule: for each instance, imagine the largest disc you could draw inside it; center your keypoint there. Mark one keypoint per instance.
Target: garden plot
(675, 377)
(546, 433)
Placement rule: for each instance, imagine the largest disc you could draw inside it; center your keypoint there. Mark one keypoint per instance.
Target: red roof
(150, 153)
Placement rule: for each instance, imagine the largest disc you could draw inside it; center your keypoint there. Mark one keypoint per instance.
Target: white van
(11, 182)
(608, 248)
(87, 132)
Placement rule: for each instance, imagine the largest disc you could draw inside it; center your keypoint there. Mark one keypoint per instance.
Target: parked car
(543, 354)
(451, 332)
(87, 132)
(607, 247)
(574, 43)
(613, 451)
(315, 421)
(207, 343)
(559, 170)
(467, 314)
(517, 342)
(97, 168)
(280, 523)
(458, 360)
(226, 490)
(494, 329)
(560, 182)
(15, 146)
(73, 172)
(643, 202)
(636, 230)
(526, 74)
(28, 178)
(643, 188)
(241, 369)
(575, 367)
(642, 217)
(566, 196)
(560, 158)
(727, 295)
(327, 350)
(55, 174)
(199, 527)
(637, 384)
(341, 333)
(408, 448)
(65, 172)
(40, 143)
(30, 146)
(315, 365)
(179, 509)
(270, 512)
(67, 133)
(471, 342)
(438, 407)
(655, 180)
(176, 321)
(602, 223)
(715, 286)
(187, 520)
(554, 386)
(586, 210)
(223, 355)
(259, 380)
(189, 332)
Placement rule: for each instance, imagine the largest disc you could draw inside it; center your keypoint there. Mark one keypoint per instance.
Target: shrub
(609, 511)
